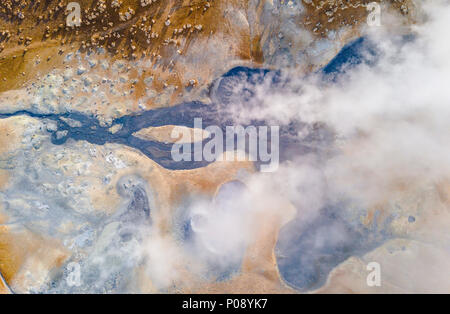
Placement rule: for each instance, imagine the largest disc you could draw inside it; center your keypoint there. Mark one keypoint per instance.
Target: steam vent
(224, 146)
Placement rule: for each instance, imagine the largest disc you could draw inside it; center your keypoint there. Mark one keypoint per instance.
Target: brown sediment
(145, 35)
(11, 255)
(204, 180)
(103, 29)
(257, 54)
(4, 289)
